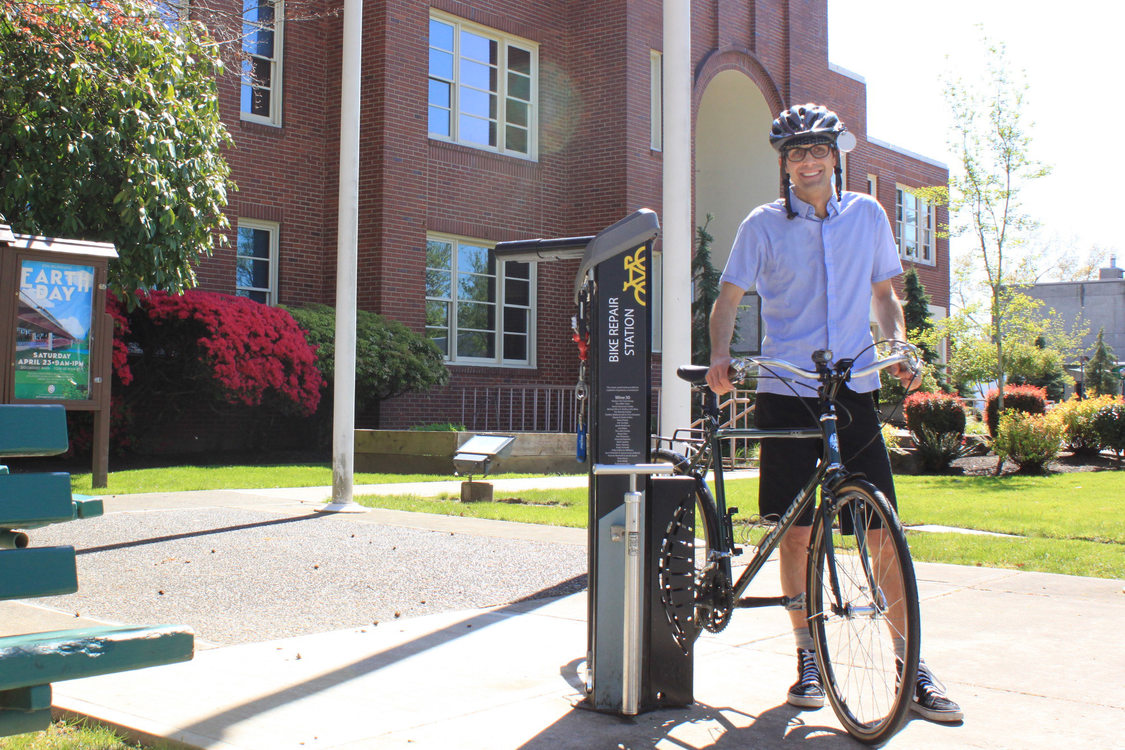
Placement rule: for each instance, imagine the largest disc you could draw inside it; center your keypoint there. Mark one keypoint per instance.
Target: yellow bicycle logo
(635, 265)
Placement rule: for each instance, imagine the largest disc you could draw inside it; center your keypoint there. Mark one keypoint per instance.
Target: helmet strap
(839, 171)
(789, 212)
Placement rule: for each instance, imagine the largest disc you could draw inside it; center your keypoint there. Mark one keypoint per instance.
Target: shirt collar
(807, 210)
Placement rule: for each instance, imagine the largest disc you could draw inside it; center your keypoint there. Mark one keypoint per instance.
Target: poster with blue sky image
(53, 322)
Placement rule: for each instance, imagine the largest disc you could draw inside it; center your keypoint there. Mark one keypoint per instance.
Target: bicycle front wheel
(863, 611)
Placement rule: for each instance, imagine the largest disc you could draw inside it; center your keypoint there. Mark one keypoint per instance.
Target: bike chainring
(714, 598)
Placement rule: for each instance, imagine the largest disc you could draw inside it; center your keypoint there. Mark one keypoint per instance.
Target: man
(821, 260)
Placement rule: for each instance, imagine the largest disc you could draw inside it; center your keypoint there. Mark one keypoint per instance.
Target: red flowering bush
(937, 422)
(120, 363)
(937, 412)
(1029, 399)
(245, 352)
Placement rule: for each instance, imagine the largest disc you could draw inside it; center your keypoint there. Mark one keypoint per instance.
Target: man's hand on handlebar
(718, 377)
(910, 380)
(909, 373)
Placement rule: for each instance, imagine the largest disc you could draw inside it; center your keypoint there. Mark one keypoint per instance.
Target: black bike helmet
(806, 125)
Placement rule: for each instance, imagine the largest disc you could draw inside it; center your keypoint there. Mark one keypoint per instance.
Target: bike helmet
(808, 125)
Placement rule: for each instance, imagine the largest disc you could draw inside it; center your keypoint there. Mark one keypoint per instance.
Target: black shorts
(787, 464)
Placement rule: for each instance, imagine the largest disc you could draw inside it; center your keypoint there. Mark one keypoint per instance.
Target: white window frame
(501, 92)
(275, 67)
(922, 228)
(656, 99)
(452, 328)
(873, 186)
(274, 231)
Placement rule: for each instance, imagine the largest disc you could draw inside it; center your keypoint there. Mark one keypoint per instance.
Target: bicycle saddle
(692, 373)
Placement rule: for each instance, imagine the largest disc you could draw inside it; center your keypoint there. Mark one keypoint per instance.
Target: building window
(914, 227)
(873, 186)
(656, 100)
(483, 87)
(262, 22)
(478, 310)
(255, 274)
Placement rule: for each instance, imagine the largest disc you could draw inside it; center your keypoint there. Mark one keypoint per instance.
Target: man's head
(807, 139)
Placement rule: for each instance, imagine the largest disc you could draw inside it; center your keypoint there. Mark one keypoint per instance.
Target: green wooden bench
(29, 663)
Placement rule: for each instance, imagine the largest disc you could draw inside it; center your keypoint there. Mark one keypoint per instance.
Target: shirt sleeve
(745, 261)
(887, 263)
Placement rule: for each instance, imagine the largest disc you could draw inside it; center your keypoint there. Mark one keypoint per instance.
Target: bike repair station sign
(623, 358)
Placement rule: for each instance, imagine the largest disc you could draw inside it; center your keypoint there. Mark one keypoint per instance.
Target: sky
(1072, 62)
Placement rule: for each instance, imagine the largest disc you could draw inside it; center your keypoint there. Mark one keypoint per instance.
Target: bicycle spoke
(862, 596)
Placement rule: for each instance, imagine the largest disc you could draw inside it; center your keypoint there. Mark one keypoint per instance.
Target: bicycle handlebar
(906, 353)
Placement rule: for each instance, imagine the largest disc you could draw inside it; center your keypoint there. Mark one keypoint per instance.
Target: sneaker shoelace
(809, 673)
(927, 683)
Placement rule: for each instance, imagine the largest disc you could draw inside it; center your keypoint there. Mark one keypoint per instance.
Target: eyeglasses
(798, 153)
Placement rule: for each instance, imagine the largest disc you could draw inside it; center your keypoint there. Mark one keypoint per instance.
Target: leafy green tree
(110, 130)
(1039, 365)
(1100, 377)
(706, 278)
(1038, 341)
(992, 145)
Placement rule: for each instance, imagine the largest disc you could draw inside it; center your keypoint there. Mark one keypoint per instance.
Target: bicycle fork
(835, 477)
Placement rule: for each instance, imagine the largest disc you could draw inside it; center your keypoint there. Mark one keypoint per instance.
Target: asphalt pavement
(384, 629)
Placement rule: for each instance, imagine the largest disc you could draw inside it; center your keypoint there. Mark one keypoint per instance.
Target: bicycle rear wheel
(694, 578)
(862, 597)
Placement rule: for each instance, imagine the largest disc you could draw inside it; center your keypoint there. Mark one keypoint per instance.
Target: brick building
(497, 120)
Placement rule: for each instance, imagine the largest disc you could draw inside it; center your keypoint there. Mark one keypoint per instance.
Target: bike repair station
(634, 661)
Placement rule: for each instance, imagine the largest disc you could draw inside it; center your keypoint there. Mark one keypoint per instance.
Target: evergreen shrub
(1109, 423)
(937, 422)
(1028, 399)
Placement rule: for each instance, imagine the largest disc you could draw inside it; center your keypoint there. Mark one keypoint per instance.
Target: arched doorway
(736, 168)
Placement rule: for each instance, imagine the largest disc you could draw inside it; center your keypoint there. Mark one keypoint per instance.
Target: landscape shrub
(937, 412)
(1077, 415)
(390, 359)
(937, 422)
(1028, 440)
(232, 348)
(1028, 399)
(176, 354)
(1109, 423)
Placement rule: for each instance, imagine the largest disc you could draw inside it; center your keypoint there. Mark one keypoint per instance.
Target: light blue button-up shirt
(814, 277)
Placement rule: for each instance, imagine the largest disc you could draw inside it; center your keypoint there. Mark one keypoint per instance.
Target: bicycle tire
(869, 688)
(689, 588)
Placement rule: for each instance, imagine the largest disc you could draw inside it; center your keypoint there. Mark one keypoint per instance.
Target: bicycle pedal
(731, 511)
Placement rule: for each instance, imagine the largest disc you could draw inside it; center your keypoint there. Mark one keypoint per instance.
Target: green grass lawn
(73, 735)
(246, 477)
(1067, 523)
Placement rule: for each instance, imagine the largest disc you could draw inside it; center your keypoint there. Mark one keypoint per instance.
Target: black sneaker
(929, 698)
(806, 691)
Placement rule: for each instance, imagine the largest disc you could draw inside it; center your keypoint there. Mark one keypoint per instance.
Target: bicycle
(861, 591)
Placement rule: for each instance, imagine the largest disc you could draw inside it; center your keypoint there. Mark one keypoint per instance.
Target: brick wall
(595, 164)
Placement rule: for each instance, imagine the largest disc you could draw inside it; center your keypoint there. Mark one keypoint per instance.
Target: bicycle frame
(829, 473)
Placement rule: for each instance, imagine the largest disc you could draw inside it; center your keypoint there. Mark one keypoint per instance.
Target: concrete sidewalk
(1033, 659)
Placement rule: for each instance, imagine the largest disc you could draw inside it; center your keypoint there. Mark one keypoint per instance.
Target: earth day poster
(53, 331)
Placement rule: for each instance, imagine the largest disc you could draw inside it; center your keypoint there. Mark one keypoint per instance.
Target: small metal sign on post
(54, 329)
